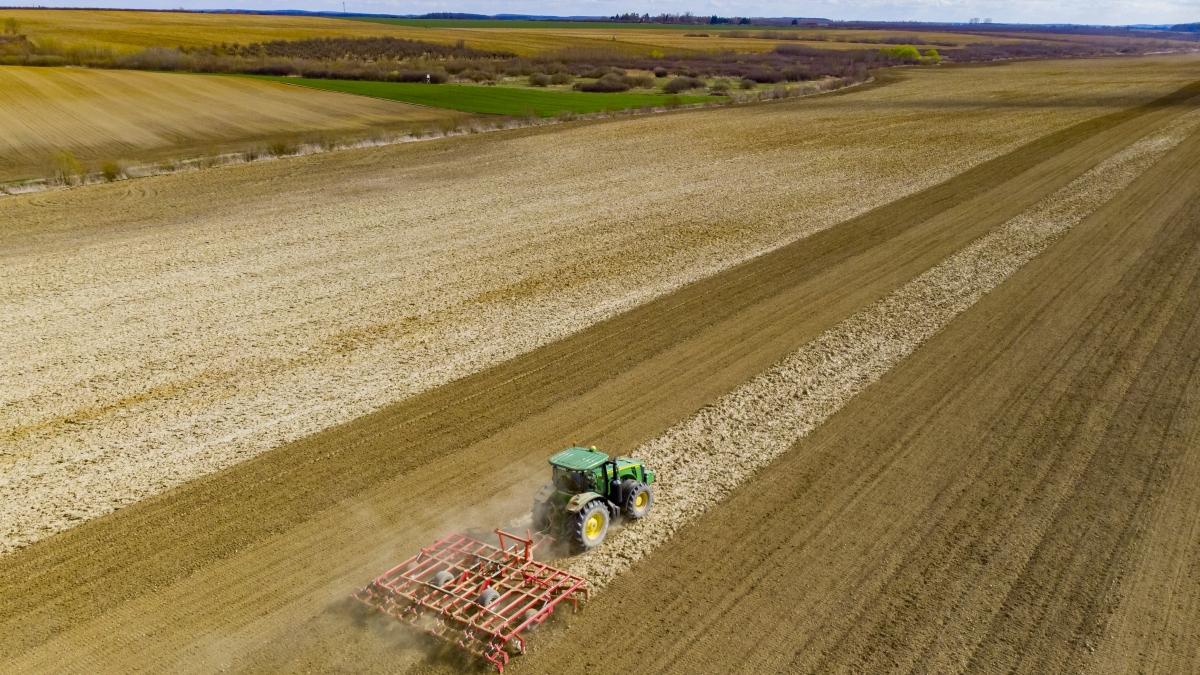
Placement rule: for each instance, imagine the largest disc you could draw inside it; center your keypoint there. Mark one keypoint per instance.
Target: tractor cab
(587, 490)
(572, 480)
(577, 470)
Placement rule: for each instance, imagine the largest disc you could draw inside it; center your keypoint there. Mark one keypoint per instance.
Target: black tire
(589, 526)
(486, 597)
(637, 498)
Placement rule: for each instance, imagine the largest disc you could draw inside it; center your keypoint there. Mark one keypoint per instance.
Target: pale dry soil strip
(704, 458)
(169, 327)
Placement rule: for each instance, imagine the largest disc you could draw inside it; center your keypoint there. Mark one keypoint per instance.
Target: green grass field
(495, 100)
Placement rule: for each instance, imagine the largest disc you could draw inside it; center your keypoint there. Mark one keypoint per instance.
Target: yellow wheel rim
(641, 499)
(591, 526)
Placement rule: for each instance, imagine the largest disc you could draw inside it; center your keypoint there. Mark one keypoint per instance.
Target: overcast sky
(1024, 11)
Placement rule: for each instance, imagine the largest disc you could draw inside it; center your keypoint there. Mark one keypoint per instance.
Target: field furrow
(705, 458)
(248, 567)
(230, 315)
(987, 505)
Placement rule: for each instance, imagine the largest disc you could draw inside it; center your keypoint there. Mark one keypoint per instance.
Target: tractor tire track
(988, 505)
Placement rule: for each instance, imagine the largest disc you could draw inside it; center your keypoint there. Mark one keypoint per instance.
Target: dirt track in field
(246, 568)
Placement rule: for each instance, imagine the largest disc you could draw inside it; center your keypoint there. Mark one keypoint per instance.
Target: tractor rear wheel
(637, 499)
(590, 526)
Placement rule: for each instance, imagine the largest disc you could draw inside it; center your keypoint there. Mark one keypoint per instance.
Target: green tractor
(587, 491)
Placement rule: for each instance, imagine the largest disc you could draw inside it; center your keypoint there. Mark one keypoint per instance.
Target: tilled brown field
(1015, 492)
(174, 326)
(1018, 496)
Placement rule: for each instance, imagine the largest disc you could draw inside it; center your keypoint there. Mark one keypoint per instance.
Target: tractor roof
(579, 459)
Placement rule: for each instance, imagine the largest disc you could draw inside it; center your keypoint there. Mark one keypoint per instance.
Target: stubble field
(130, 116)
(945, 328)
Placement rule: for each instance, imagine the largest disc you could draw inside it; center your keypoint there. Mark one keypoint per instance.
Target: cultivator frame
(440, 591)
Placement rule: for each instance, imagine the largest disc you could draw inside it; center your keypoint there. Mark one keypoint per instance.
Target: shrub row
(681, 84)
(339, 49)
(396, 60)
(614, 81)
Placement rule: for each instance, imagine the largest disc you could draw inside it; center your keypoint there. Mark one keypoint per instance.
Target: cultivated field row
(703, 459)
(51, 118)
(1017, 495)
(229, 569)
(204, 361)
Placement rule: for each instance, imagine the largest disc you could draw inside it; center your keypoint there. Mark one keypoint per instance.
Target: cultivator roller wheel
(486, 597)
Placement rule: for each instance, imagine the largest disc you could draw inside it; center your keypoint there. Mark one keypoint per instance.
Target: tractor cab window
(572, 481)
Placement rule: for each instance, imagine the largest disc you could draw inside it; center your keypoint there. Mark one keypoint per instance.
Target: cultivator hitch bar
(474, 595)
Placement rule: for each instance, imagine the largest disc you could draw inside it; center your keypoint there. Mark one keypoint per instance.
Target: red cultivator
(475, 595)
(481, 597)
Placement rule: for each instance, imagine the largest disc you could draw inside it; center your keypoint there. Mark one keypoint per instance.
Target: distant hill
(1175, 28)
(699, 20)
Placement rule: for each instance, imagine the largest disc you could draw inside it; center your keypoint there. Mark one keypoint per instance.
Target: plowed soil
(133, 117)
(1018, 496)
(171, 327)
(986, 504)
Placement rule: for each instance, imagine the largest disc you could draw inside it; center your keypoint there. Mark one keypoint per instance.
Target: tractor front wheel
(638, 498)
(590, 526)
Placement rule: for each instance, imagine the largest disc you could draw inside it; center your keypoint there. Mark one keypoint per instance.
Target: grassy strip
(489, 100)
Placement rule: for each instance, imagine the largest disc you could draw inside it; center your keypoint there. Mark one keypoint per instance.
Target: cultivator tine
(444, 592)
